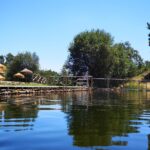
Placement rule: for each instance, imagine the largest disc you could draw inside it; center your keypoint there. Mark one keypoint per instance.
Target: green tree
(128, 62)
(94, 52)
(21, 61)
(64, 70)
(49, 75)
(91, 52)
(2, 59)
(9, 58)
(147, 65)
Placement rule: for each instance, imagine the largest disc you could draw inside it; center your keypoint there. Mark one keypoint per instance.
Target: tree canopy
(20, 61)
(94, 52)
(24, 60)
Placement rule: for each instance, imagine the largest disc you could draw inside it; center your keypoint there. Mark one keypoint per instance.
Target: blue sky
(47, 27)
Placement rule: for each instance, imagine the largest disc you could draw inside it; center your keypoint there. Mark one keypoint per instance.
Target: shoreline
(19, 90)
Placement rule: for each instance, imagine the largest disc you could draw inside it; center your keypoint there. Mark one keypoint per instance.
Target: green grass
(12, 83)
(134, 85)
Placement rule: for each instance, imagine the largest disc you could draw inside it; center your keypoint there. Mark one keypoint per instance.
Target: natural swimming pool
(75, 121)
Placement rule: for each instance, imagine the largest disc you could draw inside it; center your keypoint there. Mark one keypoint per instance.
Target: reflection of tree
(17, 117)
(93, 119)
(103, 119)
(19, 113)
(97, 125)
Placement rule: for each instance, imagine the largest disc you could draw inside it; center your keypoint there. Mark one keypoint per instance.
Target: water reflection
(16, 117)
(101, 119)
(96, 120)
(148, 141)
(20, 113)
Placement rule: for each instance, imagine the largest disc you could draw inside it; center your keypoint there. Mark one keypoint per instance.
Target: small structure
(2, 78)
(147, 76)
(28, 74)
(39, 79)
(82, 82)
(2, 72)
(19, 75)
(26, 71)
(3, 66)
(2, 69)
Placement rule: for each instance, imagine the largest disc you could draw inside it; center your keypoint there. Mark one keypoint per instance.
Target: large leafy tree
(91, 52)
(21, 61)
(127, 62)
(94, 52)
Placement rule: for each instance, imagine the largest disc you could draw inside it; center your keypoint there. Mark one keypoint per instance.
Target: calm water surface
(76, 121)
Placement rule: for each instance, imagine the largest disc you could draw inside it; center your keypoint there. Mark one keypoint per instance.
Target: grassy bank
(138, 82)
(12, 83)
